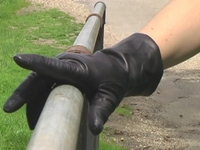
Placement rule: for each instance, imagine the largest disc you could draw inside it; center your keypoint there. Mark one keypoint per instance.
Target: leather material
(133, 67)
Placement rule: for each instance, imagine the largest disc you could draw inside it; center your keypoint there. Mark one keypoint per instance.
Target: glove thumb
(101, 107)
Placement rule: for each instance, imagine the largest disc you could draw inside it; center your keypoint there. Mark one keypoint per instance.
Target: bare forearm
(176, 30)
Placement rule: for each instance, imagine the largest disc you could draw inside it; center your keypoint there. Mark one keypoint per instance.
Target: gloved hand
(132, 67)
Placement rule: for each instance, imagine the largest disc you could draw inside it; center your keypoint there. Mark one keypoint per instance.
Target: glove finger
(101, 107)
(34, 108)
(27, 91)
(52, 67)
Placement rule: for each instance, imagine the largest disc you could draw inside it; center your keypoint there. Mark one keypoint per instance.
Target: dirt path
(169, 119)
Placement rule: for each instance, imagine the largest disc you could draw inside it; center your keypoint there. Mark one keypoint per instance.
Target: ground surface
(170, 118)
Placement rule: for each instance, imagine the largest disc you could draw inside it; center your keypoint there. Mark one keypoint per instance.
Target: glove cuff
(143, 62)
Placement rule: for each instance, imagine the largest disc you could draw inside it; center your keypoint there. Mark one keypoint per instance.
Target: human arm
(176, 30)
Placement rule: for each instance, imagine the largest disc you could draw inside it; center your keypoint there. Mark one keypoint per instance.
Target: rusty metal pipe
(90, 31)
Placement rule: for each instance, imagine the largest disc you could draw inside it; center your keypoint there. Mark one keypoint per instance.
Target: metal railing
(63, 122)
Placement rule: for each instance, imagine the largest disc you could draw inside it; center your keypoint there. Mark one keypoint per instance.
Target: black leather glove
(133, 67)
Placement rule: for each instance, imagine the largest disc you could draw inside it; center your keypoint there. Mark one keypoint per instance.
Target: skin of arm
(176, 30)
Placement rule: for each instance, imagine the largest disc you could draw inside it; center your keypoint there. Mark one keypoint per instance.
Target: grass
(107, 141)
(45, 32)
(109, 145)
(124, 110)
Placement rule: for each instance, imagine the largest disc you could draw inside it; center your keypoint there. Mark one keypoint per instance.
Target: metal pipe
(90, 31)
(58, 125)
(59, 122)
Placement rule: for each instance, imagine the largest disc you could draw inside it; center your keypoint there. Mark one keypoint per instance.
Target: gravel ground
(143, 130)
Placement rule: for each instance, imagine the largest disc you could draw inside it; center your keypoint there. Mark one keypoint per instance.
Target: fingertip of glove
(13, 103)
(6, 108)
(96, 127)
(17, 57)
(20, 59)
(31, 127)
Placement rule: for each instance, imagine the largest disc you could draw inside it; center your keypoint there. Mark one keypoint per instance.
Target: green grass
(124, 110)
(111, 145)
(45, 32)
